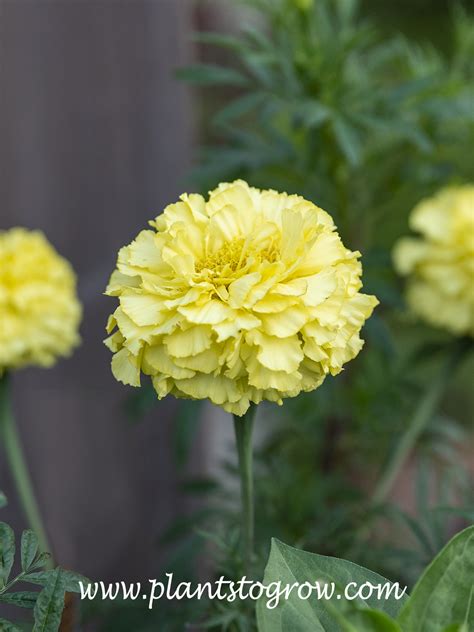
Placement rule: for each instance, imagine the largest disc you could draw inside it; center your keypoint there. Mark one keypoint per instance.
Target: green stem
(424, 412)
(18, 467)
(243, 435)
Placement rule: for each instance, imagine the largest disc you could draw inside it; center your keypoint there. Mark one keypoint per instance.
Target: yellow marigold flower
(39, 310)
(440, 263)
(248, 296)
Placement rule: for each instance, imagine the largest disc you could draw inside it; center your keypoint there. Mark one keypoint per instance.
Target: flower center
(236, 256)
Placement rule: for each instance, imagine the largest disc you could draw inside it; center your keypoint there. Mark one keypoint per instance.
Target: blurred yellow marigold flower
(39, 310)
(440, 263)
(248, 296)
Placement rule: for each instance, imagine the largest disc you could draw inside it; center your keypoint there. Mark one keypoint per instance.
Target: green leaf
(372, 621)
(8, 626)
(3, 500)
(347, 10)
(219, 39)
(22, 599)
(313, 113)
(199, 486)
(7, 552)
(29, 549)
(294, 620)
(208, 74)
(222, 620)
(50, 603)
(444, 593)
(343, 617)
(239, 107)
(40, 560)
(71, 580)
(348, 140)
(260, 67)
(415, 527)
(289, 565)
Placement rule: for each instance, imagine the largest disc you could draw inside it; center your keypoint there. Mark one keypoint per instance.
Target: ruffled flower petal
(248, 296)
(440, 263)
(39, 309)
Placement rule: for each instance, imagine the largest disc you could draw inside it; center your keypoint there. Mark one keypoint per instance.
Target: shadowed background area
(95, 138)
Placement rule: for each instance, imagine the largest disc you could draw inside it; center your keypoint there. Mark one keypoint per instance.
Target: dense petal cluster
(248, 296)
(39, 310)
(440, 263)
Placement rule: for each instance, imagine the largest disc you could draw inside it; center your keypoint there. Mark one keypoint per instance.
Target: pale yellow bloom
(39, 310)
(440, 263)
(248, 296)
